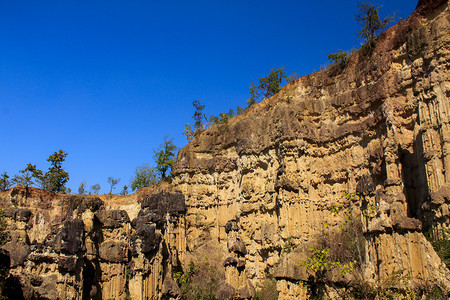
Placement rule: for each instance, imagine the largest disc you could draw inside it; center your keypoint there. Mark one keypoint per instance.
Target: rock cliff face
(255, 193)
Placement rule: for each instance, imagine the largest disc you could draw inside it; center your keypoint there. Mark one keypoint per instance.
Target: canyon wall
(378, 126)
(365, 144)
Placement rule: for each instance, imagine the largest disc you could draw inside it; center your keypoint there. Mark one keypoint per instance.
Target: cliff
(253, 199)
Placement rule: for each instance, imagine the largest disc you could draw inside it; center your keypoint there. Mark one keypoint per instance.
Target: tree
(165, 156)
(143, 176)
(269, 85)
(5, 183)
(41, 179)
(82, 188)
(124, 191)
(95, 188)
(188, 132)
(27, 178)
(370, 22)
(198, 116)
(253, 95)
(54, 180)
(56, 177)
(113, 182)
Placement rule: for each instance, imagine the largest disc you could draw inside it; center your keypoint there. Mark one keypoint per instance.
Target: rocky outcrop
(90, 251)
(251, 196)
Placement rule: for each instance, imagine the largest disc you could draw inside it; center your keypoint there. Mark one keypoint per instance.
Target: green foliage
(339, 58)
(319, 262)
(188, 132)
(82, 188)
(124, 191)
(143, 176)
(56, 178)
(200, 281)
(269, 85)
(223, 118)
(5, 183)
(268, 290)
(198, 116)
(95, 189)
(165, 156)
(53, 180)
(370, 22)
(113, 182)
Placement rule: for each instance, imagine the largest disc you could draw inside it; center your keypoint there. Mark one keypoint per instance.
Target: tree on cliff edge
(370, 22)
(56, 177)
(144, 176)
(165, 156)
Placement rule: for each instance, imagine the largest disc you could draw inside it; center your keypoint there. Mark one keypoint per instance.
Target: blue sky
(106, 80)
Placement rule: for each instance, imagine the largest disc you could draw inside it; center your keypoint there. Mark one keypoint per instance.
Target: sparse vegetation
(200, 280)
(337, 249)
(440, 239)
(82, 188)
(288, 245)
(95, 189)
(223, 118)
(339, 58)
(124, 191)
(267, 289)
(113, 182)
(269, 85)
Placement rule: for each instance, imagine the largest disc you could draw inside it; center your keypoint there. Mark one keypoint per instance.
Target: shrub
(339, 58)
(200, 280)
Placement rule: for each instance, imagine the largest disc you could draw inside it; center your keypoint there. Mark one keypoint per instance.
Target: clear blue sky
(106, 80)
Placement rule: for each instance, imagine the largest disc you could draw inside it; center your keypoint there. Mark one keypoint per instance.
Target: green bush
(339, 58)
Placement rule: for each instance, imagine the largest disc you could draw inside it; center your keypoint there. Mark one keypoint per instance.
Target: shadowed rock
(72, 235)
(113, 218)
